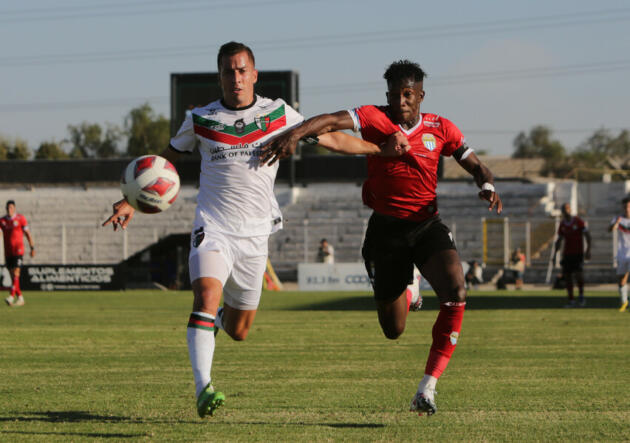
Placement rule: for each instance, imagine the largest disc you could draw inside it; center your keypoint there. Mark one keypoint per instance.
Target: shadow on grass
(352, 425)
(82, 416)
(78, 434)
(366, 303)
(330, 425)
(67, 417)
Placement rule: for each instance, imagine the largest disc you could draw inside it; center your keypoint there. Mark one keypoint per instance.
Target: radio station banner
(71, 277)
(333, 277)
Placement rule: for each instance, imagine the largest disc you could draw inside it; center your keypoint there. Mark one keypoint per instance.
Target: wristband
(487, 187)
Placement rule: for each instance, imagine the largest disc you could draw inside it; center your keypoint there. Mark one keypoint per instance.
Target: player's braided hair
(231, 48)
(402, 70)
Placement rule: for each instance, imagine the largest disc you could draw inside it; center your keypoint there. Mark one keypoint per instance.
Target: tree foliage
(539, 144)
(16, 149)
(147, 133)
(89, 140)
(600, 151)
(50, 150)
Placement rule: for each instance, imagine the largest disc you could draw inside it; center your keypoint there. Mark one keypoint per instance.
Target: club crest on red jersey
(429, 141)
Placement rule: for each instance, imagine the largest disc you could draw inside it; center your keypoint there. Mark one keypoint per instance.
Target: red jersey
(572, 231)
(13, 229)
(404, 187)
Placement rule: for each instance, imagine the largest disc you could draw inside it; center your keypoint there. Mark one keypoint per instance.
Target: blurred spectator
(517, 265)
(326, 252)
(474, 275)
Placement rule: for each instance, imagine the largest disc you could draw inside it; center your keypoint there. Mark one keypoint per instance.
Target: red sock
(16, 286)
(445, 334)
(13, 285)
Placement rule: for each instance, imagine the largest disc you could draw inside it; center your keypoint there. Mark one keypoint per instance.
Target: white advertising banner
(333, 277)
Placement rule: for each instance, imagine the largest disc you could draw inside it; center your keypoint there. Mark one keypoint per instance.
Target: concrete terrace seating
(335, 211)
(72, 216)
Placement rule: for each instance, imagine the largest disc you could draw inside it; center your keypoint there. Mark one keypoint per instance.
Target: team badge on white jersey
(262, 122)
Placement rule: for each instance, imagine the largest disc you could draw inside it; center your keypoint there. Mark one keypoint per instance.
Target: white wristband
(487, 187)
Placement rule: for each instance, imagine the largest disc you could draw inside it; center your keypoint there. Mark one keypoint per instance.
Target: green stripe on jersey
(227, 129)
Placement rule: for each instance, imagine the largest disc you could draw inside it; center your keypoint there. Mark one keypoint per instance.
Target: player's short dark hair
(626, 199)
(402, 70)
(232, 48)
(10, 202)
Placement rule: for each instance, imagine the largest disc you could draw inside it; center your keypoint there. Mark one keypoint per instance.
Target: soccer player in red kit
(405, 228)
(572, 230)
(14, 228)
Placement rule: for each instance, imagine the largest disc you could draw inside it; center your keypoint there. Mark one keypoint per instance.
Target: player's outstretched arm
(484, 179)
(123, 212)
(396, 145)
(285, 144)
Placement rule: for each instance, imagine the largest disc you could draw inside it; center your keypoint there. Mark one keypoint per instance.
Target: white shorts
(623, 265)
(239, 263)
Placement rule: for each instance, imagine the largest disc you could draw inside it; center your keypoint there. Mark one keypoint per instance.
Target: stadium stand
(66, 223)
(66, 219)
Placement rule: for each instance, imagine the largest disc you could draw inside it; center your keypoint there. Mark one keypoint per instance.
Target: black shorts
(392, 246)
(572, 263)
(14, 261)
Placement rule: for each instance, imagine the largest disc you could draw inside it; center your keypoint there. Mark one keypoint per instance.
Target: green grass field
(113, 366)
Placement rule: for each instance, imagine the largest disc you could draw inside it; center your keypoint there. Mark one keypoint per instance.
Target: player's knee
(392, 335)
(392, 332)
(457, 294)
(238, 334)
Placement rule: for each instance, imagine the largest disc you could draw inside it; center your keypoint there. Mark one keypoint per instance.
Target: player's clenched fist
(396, 145)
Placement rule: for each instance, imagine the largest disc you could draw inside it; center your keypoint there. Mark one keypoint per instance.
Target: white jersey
(236, 193)
(623, 238)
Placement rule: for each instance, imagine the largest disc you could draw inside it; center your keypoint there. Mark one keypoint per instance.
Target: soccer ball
(150, 184)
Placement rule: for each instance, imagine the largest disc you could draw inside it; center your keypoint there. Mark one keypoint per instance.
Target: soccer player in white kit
(622, 224)
(236, 207)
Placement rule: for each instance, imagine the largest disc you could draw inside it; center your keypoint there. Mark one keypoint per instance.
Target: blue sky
(495, 67)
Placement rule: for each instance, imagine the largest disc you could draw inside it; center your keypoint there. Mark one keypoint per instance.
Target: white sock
(427, 382)
(218, 321)
(623, 292)
(200, 338)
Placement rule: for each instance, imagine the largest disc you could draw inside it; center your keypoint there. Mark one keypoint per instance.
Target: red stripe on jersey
(235, 140)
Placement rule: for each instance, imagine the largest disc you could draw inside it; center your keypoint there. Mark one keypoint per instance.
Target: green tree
(603, 150)
(50, 150)
(16, 149)
(20, 150)
(109, 145)
(88, 140)
(4, 148)
(539, 144)
(147, 133)
(85, 139)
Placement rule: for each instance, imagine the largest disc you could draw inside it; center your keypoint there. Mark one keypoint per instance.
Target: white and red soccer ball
(150, 184)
